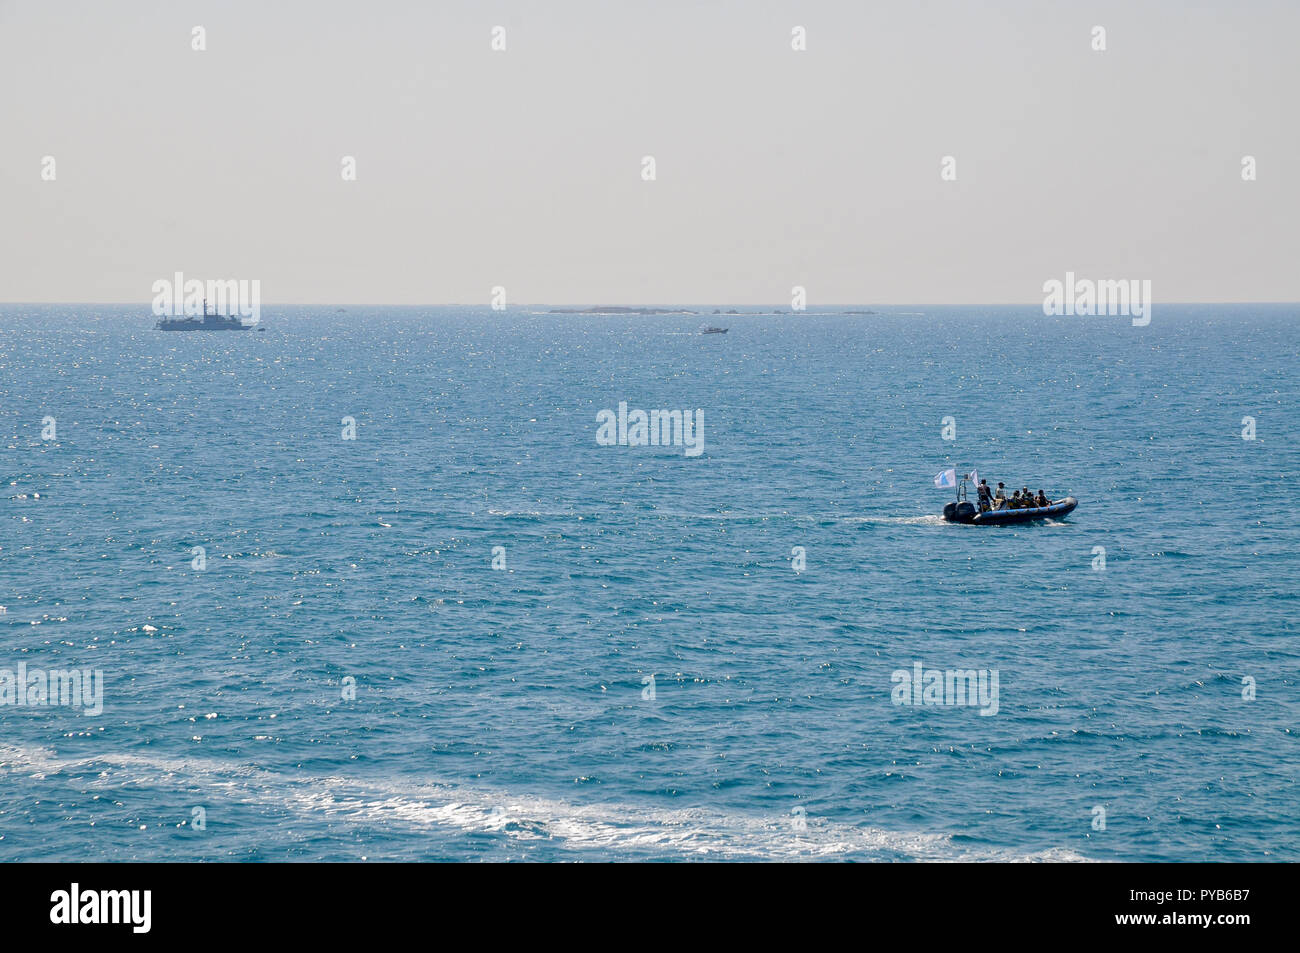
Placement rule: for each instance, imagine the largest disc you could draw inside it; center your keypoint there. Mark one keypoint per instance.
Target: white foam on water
(928, 519)
(604, 829)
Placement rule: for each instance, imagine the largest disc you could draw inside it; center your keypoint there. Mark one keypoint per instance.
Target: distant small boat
(714, 330)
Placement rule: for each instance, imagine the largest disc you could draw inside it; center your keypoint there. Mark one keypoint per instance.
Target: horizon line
(563, 304)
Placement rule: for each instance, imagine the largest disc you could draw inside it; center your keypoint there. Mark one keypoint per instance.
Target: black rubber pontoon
(964, 511)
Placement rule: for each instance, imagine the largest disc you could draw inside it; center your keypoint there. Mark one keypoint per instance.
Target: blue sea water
(506, 714)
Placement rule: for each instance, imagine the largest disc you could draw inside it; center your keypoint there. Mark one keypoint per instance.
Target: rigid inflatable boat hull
(1003, 517)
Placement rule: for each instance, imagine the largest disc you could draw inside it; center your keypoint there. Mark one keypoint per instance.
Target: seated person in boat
(1042, 500)
(1000, 498)
(1026, 498)
(1014, 502)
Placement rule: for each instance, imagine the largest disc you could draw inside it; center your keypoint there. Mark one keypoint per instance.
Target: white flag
(975, 479)
(946, 480)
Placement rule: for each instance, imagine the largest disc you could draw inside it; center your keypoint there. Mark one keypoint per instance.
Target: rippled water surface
(502, 714)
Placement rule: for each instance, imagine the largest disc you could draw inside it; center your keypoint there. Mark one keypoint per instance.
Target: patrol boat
(963, 510)
(208, 321)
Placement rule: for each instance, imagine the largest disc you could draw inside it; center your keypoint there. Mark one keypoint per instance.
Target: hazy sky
(774, 167)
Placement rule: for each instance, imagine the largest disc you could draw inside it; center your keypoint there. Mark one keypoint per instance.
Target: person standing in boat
(986, 496)
(1000, 498)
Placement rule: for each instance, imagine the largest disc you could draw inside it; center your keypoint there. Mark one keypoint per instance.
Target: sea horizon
(660, 304)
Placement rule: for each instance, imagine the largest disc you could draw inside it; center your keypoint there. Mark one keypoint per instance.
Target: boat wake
(605, 829)
(929, 519)
(926, 519)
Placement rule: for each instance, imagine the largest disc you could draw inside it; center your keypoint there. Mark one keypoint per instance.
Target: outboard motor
(960, 510)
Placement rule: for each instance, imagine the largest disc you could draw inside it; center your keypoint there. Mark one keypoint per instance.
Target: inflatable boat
(964, 511)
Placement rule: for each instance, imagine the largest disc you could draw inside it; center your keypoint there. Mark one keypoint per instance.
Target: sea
(366, 586)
